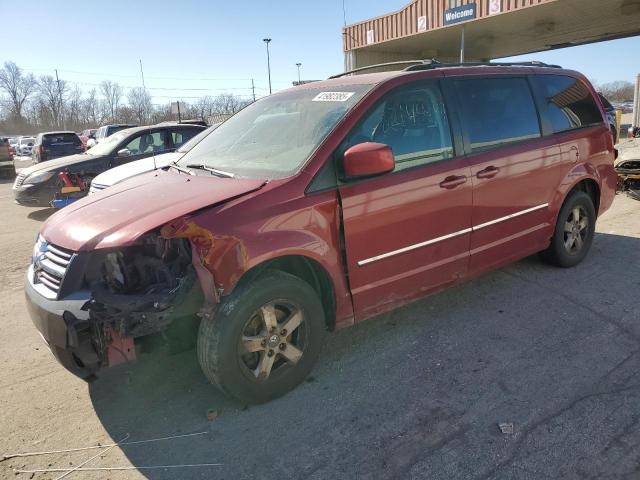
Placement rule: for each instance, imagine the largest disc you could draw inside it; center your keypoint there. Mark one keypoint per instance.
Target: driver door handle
(488, 172)
(453, 181)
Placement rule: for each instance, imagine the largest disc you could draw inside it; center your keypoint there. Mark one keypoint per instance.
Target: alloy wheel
(273, 341)
(576, 229)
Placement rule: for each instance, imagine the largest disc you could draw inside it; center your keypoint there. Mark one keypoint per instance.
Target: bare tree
(17, 86)
(202, 109)
(53, 94)
(227, 103)
(28, 105)
(619, 91)
(140, 104)
(73, 109)
(112, 93)
(91, 109)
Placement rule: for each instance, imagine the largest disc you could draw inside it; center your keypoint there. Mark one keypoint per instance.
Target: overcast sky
(191, 49)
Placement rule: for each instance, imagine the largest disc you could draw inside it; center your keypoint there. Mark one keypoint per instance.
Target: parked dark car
(321, 206)
(71, 176)
(52, 145)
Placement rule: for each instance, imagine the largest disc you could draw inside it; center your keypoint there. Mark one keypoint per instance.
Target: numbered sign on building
(422, 24)
(370, 37)
(495, 6)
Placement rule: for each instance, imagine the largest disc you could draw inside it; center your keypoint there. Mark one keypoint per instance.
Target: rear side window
(179, 137)
(61, 139)
(567, 103)
(497, 112)
(148, 143)
(114, 128)
(412, 121)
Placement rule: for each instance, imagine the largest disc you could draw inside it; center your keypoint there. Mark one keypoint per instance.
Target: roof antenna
(153, 152)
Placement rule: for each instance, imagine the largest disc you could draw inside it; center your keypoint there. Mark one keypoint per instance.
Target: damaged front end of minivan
(120, 296)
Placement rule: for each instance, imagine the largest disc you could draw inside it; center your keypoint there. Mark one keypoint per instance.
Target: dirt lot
(418, 393)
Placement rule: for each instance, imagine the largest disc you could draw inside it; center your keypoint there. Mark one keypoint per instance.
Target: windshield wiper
(215, 171)
(180, 169)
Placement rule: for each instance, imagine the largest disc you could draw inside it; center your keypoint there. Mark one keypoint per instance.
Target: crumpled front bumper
(60, 323)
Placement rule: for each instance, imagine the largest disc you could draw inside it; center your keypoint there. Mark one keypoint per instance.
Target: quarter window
(147, 143)
(179, 137)
(497, 112)
(412, 121)
(567, 103)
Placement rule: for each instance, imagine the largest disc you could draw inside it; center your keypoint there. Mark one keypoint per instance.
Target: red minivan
(321, 206)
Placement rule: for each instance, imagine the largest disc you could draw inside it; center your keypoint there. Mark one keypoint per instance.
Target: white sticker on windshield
(333, 96)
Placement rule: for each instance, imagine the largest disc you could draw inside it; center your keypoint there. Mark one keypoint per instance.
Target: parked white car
(132, 169)
(25, 146)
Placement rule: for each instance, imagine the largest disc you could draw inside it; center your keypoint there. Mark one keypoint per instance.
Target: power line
(147, 77)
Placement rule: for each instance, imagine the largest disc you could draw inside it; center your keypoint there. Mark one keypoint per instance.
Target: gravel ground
(415, 394)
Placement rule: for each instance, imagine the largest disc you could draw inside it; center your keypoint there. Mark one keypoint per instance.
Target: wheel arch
(306, 269)
(584, 178)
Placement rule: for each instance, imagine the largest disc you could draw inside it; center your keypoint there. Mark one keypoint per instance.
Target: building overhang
(547, 25)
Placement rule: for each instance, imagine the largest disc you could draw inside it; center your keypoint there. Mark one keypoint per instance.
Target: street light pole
(268, 41)
(298, 65)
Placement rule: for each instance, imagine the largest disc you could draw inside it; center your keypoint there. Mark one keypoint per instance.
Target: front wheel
(263, 339)
(574, 232)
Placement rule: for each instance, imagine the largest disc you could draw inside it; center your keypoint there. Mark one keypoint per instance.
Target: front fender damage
(223, 254)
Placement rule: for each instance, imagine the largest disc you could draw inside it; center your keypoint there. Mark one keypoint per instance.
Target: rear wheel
(263, 339)
(574, 231)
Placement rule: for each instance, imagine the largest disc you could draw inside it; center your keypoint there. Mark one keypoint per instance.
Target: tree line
(31, 104)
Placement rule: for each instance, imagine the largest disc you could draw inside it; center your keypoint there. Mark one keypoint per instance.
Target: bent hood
(60, 163)
(131, 169)
(119, 215)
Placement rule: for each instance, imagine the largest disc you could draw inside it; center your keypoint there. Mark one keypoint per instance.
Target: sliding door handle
(488, 172)
(453, 182)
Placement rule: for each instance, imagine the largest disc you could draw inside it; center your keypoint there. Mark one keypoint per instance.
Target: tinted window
(148, 143)
(567, 103)
(61, 139)
(412, 121)
(179, 137)
(497, 111)
(115, 128)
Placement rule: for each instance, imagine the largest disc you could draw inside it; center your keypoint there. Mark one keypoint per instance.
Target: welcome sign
(460, 14)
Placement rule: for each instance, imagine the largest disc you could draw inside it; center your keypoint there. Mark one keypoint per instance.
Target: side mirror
(125, 152)
(368, 159)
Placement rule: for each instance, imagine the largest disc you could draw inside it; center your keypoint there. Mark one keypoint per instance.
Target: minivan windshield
(274, 137)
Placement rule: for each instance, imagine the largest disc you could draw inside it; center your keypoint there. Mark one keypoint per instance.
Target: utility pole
(253, 89)
(636, 108)
(298, 65)
(142, 75)
(268, 41)
(60, 101)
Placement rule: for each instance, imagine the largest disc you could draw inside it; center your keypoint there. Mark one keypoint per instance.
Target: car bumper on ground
(57, 322)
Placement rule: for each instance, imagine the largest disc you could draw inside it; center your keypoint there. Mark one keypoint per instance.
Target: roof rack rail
(436, 64)
(388, 64)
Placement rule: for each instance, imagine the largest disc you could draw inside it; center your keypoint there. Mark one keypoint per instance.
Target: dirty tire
(559, 253)
(222, 356)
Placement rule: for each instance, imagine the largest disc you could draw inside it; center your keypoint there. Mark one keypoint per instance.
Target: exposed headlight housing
(38, 178)
(38, 247)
